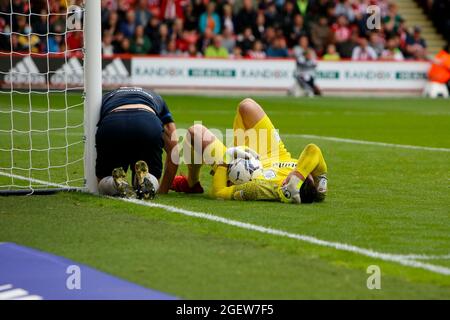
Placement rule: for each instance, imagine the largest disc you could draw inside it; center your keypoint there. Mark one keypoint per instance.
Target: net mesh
(41, 94)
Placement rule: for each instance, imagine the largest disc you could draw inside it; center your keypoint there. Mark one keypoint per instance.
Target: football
(243, 170)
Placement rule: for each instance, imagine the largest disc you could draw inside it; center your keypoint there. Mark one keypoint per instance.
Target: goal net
(42, 95)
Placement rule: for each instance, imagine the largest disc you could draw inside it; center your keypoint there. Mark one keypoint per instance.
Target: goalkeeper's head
(308, 191)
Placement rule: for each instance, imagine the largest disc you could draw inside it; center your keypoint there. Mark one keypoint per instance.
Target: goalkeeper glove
(242, 152)
(290, 192)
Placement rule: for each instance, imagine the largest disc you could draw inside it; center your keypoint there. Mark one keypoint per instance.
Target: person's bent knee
(250, 112)
(195, 130)
(247, 105)
(312, 147)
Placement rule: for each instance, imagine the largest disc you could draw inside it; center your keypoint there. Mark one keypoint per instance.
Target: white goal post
(93, 87)
(50, 95)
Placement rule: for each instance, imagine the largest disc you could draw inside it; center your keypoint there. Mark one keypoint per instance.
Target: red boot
(180, 184)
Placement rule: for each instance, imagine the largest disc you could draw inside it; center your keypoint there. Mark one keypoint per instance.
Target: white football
(243, 170)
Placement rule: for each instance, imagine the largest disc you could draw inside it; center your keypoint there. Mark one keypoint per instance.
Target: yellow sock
(311, 161)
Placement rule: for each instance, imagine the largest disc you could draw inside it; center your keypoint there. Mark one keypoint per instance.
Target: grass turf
(388, 199)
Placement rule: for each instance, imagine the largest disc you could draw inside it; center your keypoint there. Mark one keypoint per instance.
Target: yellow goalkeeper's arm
(220, 189)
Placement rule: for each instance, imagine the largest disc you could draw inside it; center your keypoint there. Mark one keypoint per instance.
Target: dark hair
(308, 191)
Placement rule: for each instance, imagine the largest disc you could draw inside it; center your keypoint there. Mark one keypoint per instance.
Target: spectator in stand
(205, 40)
(271, 15)
(245, 40)
(117, 42)
(246, 17)
(216, 50)
(123, 6)
(269, 36)
(27, 41)
(403, 35)
(297, 30)
(376, 41)
(163, 39)
(344, 8)
(341, 29)
(392, 20)
(124, 46)
(345, 48)
(260, 26)
(392, 51)
(129, 26)
(190, 19)
(171, 49)
(364, 52)
(112, 24)
(228, 40)
(287, 17)
(228, 19)
(15, 46)
(106, 9)
(278, 48)
(321, 34)
(107, 44)
(55, 43)
(416, 45)
(181, 37)
(257, 51)
(152, 32)
(320, 8)
(304, 7)
(210, 19)
(237, 53)
(193, 52)
(39, 23)
(331, 54)
(142, 13)
(171, 10)
(140, 43)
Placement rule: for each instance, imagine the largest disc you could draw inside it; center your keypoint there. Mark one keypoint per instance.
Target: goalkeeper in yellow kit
(283, 178)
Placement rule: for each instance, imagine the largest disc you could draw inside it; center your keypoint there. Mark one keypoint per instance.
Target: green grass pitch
(384, 198)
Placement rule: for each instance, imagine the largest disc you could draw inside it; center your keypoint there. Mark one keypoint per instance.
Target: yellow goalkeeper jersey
(263, 187)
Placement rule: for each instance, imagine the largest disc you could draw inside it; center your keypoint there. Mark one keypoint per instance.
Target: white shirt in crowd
(364, 54)
(107, 50)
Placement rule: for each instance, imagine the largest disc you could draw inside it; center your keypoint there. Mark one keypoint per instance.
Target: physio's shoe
(124, 190)
(145, 189)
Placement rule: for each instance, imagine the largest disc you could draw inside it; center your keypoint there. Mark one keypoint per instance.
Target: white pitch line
(374, 143)
(426, 257)
(15, 176)
(400, 259)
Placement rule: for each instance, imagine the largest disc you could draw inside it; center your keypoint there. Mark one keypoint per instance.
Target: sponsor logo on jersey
(269, 174)
(281, 165)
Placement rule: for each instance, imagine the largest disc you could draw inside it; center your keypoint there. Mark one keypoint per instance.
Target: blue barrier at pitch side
(26, 273)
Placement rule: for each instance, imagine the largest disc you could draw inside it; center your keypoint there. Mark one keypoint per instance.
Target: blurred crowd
(332, 29)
